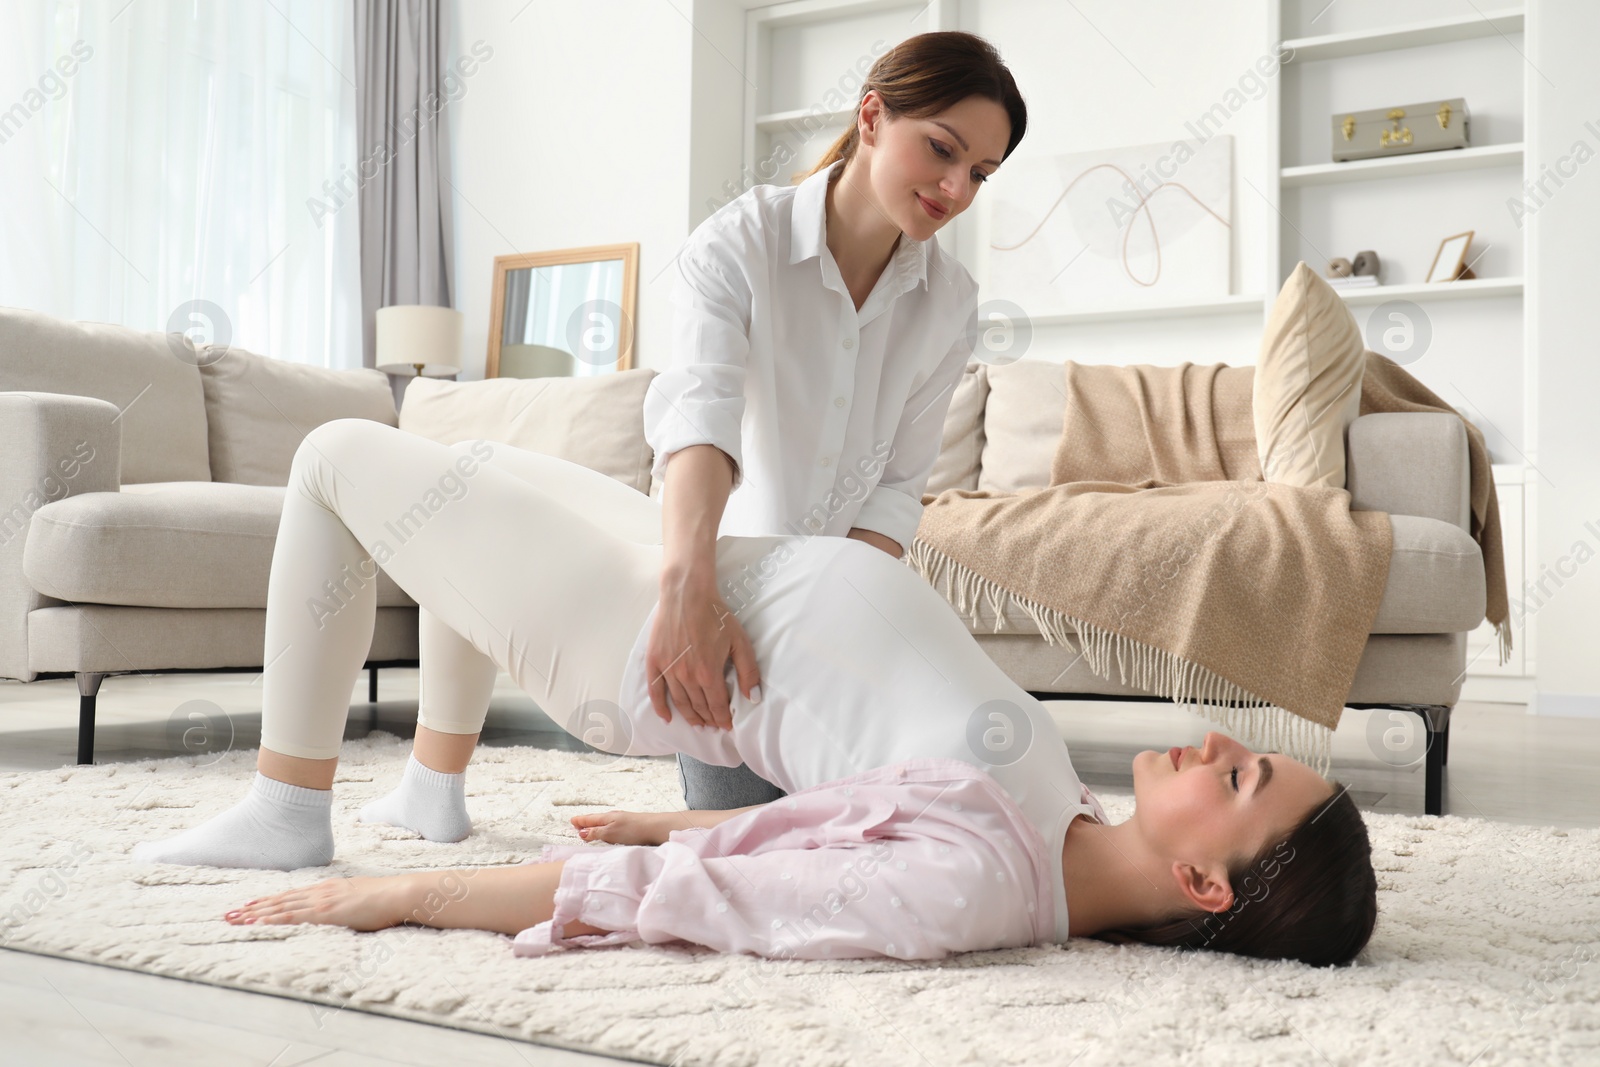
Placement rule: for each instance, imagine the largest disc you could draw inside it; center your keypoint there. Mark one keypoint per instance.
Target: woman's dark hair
(929, 73)
(1311, 897)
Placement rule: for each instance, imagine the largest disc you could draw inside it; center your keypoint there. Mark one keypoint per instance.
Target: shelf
(777, 120)
(1450, 159)
(1411, 35)
(1220, 305)
(1476, 287)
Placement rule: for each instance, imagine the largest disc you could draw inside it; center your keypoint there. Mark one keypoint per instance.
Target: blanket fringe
(1503, 631)
(1143, 666)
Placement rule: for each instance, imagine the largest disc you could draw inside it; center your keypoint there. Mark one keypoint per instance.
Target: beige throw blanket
(1158, 548)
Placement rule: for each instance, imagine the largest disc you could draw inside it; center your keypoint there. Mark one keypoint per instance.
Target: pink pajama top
(930, 795)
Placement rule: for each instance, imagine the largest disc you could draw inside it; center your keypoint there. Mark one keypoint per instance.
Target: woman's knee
(337, 436)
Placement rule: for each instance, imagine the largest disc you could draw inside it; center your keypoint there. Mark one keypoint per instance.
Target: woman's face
(1219, 802)
(936, 162)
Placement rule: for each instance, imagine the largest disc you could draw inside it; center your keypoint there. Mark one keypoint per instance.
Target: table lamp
(418, 340)
(535, 361)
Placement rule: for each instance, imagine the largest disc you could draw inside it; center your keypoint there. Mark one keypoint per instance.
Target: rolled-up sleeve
(700, 398)
(894, 507)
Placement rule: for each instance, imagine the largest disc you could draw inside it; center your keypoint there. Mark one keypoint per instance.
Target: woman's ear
(1208, 890)
(871, 112)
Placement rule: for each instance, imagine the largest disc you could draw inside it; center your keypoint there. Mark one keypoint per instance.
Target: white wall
(574, 132)
(1566, 234)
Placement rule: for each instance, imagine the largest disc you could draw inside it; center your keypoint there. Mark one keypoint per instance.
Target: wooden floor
(1504, 765)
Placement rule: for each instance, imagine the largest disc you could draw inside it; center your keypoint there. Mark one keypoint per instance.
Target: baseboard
(1566, 705)
(1484, 689)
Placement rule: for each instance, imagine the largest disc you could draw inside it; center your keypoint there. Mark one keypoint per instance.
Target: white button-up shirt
(833, 417)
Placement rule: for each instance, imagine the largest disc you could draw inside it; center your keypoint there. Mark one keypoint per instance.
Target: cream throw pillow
(1307, 383)
(961, 448)
(596, 420)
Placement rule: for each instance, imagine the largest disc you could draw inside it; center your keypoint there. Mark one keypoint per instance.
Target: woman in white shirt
(820, 333)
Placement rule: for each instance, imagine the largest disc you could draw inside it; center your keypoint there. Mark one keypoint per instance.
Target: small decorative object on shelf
(1362, 273)
(1449, 262)
(1396, 131)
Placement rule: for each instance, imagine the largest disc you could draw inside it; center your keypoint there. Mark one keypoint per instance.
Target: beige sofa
(141, 481)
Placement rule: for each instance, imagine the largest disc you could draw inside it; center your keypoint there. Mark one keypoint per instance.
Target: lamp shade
(417, 339)
(535, 361)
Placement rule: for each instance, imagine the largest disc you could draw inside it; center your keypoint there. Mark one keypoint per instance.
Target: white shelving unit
(1220, 305)
(1410, 35)
(809, 56)
(1494, 155)
(1463, 290)
(1315, 84)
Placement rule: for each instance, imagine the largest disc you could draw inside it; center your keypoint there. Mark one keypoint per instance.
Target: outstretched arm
(506, 900)
(648, 827)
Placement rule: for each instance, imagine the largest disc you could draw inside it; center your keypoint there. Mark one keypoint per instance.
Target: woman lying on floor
(932, 806)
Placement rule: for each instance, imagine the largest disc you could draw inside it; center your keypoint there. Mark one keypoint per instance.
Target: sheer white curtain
(185, 165)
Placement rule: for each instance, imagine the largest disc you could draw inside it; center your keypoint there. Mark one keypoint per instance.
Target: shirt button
(827, 461)
(838, 401)
(849, 342)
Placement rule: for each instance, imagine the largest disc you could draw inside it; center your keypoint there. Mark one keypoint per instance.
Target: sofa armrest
(1410, 463)
(52, 446)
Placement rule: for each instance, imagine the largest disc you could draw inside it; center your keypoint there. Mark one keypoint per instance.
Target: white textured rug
(1484, 951)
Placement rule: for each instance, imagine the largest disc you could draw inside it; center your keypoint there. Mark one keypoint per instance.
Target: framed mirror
(564, 313)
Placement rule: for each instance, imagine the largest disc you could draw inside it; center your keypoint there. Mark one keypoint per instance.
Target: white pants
(499, 547)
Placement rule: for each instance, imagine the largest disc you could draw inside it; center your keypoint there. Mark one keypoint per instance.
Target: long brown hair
(926, 74)
(1311, 897)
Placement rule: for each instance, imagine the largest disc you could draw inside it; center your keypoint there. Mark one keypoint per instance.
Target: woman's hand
(628, 827)
(690, 642)
(359, 903)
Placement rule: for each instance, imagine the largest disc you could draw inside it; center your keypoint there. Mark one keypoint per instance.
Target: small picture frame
(1448, 260)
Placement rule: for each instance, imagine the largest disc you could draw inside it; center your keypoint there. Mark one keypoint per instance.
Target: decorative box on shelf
(1398, 131)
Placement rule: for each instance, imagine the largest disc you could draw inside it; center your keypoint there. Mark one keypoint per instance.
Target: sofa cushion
(151, 377)
(164, 545)
(961, 449)
(1308, 383)
(1435, 584)
(1022, 423)
(258, 410)
(596, 420)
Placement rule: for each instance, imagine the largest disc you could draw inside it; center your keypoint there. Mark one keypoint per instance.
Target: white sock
(431, 802)
(277, 826)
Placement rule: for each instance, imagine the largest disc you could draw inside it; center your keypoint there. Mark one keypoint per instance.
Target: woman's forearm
(506, 900)
(878, 540)
(698, 481)
(706, 818)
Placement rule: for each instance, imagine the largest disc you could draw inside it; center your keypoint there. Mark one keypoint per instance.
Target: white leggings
(498, 546)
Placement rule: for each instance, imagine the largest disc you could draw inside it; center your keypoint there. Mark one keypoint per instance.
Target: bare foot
(359, 903)
(628, 827)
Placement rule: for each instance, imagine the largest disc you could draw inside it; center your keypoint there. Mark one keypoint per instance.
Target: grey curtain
(404, 199)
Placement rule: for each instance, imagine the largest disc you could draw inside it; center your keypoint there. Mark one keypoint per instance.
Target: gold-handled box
(1396, 131)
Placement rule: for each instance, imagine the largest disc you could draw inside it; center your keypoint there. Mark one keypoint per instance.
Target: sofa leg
(372, 685)
(88, 689)
(1436, 720)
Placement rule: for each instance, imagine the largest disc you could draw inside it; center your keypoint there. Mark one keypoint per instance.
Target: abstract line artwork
(1144, 224)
